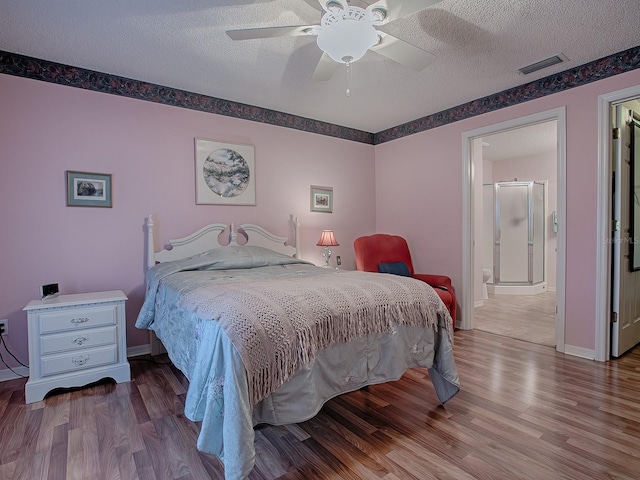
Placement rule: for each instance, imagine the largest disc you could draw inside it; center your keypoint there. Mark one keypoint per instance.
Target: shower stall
(514, 237)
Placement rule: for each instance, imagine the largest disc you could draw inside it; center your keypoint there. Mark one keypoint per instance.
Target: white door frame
(468, 213)
(603, 234)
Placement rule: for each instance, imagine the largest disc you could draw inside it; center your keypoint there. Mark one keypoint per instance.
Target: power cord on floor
(2, 342)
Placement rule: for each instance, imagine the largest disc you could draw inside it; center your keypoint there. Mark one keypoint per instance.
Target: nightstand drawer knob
(79, 320)
(80, 359)
(79, 340)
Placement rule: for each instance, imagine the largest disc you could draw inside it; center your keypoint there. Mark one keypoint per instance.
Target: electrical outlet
(338, 260)
(4, 327)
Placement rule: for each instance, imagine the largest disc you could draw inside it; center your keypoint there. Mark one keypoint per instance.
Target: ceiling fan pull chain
(348, 64)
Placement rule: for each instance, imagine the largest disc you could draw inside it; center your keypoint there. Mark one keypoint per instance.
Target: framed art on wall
(85, 189)
(321, 199)
(225, 173)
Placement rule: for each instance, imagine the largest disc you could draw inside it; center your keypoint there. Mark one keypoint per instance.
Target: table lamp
(327, 240)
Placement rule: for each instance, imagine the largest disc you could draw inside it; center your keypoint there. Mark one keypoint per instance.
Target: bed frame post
(233, 239)
(296, 235)
(151, 256)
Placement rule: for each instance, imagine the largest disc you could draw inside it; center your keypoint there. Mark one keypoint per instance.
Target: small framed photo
(86, 189)
(225, 173)
(321, 199)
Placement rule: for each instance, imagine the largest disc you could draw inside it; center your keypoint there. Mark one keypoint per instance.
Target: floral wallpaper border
(46, 71)
(590, 72)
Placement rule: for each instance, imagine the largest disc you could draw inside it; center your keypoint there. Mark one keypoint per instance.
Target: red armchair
(372, 250)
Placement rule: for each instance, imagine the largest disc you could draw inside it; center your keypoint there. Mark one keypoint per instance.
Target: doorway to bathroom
(515, 219)
(518, 231)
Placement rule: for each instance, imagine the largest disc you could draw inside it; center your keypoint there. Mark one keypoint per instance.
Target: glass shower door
(512, 247)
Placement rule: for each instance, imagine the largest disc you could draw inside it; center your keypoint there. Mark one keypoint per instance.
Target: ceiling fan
(347, 32)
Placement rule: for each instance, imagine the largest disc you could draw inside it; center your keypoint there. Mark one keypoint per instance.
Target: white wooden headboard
(209, 237)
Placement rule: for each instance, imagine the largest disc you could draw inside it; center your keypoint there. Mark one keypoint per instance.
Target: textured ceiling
(479, 46)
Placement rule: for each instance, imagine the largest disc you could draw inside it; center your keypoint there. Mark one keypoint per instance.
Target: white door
(625, 299)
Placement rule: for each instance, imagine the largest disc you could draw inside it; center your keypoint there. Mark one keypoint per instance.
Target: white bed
(264, 337)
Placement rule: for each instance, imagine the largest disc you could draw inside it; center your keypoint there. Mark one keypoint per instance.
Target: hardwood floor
(526, 317)
(524, 412)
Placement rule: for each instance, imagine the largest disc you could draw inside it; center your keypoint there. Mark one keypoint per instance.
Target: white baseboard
(517, 289)
(581, 352)
(7, 374)
(551, 289)
(478, 303)
(139, 350)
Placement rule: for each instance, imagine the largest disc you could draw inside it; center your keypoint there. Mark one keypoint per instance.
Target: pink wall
(414, 188)
(46, 129)
(419, 193)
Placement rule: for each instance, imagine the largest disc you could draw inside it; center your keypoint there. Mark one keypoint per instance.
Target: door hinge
(616, 133)
(614, 317)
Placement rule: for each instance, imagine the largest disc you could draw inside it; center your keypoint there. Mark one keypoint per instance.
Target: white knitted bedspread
(278, 326)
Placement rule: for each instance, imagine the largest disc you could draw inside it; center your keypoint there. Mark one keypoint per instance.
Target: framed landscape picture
(321, 199)
(225, 173)
(85, 189)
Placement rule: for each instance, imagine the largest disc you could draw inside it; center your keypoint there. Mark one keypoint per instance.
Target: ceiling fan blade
(325, 68)
(401, 8)
(271, 32)
(402, 52)
(313, 4)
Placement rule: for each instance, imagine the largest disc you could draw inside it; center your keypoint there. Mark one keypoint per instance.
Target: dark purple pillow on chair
(396, 268)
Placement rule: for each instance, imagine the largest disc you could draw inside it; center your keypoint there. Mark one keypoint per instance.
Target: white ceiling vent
(547, 62)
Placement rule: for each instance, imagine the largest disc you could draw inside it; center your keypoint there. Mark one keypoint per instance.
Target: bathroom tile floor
(525, 317)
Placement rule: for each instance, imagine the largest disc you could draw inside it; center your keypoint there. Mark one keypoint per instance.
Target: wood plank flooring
(524, 412)
(527, 317)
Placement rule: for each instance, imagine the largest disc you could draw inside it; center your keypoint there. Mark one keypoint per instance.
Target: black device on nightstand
(48, 291)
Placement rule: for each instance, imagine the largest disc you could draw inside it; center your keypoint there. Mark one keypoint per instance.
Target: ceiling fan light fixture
(334, 5)
(379, 14)
(346, 35)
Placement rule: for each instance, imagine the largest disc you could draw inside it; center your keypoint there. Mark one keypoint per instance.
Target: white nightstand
(75, 340)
